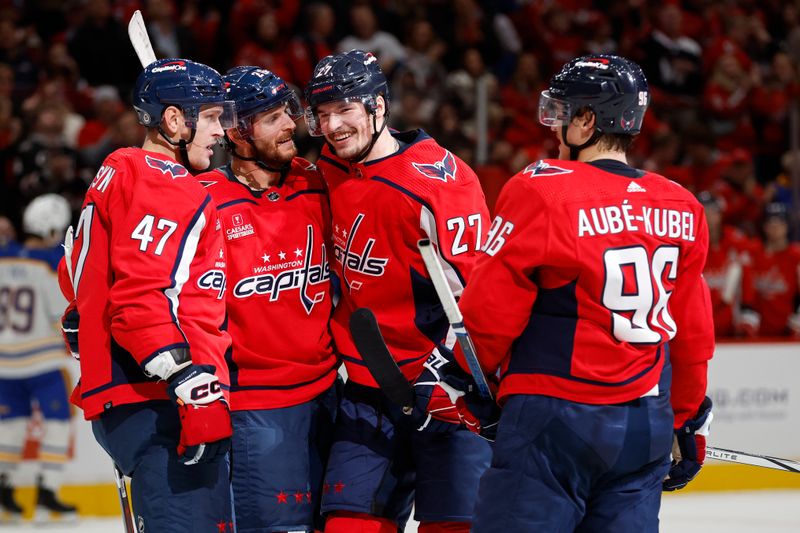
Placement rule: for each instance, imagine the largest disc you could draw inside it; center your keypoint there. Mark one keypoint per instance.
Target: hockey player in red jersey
(147, 271)
(276, 221)
(589, 285)
(388, 190)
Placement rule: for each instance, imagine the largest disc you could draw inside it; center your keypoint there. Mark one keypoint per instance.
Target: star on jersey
(282, 255)
(298, 252)
(540, 168)
(265, 257)
(440, 170)
(172, 168)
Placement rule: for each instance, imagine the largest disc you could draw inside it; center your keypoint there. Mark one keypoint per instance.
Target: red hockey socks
(347, 522)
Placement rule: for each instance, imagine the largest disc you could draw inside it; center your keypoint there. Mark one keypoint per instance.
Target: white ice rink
(726, 512)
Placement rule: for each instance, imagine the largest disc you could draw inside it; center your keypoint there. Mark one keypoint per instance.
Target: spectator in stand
(726, 100)
(729, 254)
(265, 49)
(306, 49)
(743, 197)
(422, 69)
(125, 131)
(701, 157)
(521, 111)
(101, 47)
(45, 160)
(367, 36)
(168, 38)
(462, 85)
(672, 61)
(559, 37)
(771, 107)
(772, 287)
(107, 106)
(15, 53)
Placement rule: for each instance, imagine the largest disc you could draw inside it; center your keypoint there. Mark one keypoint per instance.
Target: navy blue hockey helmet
(181, 83)
(613, 87)
(255, 90)
(351, 76)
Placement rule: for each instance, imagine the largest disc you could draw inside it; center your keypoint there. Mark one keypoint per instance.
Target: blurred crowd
(723, 75)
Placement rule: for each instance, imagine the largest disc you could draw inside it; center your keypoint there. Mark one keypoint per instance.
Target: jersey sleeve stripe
(333, 163)
(186, 253)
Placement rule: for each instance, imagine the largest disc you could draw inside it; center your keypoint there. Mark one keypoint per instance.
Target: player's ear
(171, 120)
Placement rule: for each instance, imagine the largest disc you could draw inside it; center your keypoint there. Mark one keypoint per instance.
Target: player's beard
(275, 152)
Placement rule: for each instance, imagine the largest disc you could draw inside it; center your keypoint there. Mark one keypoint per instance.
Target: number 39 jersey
(589, 271)
(147, 249)
(381, 209)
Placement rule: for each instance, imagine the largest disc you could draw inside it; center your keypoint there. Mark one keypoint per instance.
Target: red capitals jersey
(381, 209)
(772, 288)
(147, 249)
(278, 295)
(725, 266)
(588, 272)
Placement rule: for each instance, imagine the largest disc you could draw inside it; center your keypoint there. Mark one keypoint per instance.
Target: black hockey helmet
(612, 87)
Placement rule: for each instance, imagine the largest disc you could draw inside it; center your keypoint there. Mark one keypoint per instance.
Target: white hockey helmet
(47, 216)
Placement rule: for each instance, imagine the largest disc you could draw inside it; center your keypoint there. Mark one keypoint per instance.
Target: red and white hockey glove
(689, 448)
(69, 329)
(205, 420)
(446, 397)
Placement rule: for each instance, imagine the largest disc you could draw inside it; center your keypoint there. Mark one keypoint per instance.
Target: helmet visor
(552, 111)
(327, 120)
(206, 114)
(272, 120)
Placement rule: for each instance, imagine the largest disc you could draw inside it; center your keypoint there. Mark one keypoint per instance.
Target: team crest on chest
(441, 170)
(354, 259)
(175, 170)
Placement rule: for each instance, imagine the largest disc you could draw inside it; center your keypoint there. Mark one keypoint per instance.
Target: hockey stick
(744, 458)
(122, 489)
(127, 517)
(137, 33)
(380, 363)
(453, 315)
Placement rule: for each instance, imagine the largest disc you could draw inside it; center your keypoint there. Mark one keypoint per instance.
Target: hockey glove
(689, 448)
(205, 420)
(69, 329)
(446, 396)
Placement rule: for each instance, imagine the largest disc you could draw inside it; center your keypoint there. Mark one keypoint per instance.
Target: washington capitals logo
(441, 170)
(166, 167)
(540, 168)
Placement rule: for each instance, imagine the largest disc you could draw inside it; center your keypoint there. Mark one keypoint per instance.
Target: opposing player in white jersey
(32, 356)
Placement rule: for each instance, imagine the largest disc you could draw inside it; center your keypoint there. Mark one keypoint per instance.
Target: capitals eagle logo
(440, 170)
(541, 168)
(176, 170)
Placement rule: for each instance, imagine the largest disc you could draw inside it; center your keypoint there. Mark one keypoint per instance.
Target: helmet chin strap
(575, 149)
(181, 144)
(376, 133)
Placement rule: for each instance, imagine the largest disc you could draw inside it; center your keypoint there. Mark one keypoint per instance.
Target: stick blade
(137, 33)
(380, 363)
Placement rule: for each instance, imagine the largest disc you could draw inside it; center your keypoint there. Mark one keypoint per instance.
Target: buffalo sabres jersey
(589, 272)
(148, 250)
(278, 287)
(31, 302)
(381, 209)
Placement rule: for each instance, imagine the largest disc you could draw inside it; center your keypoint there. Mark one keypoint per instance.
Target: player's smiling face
(273, 132)
(347, 126)
(208, 132)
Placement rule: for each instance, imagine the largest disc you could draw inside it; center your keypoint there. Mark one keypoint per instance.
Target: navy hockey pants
(562, 466)
(142, 440)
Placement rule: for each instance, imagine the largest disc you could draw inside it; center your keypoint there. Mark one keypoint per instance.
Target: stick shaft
(122, 491)
(745, 458)
(454, 316)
